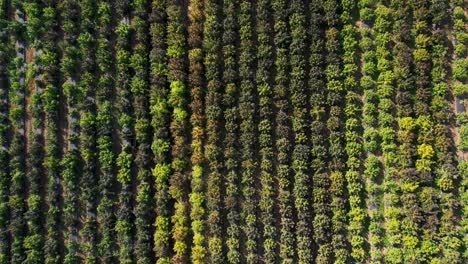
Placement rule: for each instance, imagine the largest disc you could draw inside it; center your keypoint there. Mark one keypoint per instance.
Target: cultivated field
(233, 131)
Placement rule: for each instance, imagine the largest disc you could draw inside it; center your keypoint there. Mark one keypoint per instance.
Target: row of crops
(234, 131)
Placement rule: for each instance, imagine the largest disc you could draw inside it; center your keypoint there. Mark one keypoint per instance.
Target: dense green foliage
(283, 133)
(233, 131)
(124, 227)
(34, 216)
(197, 120)
(231, 117)
(87, 129)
